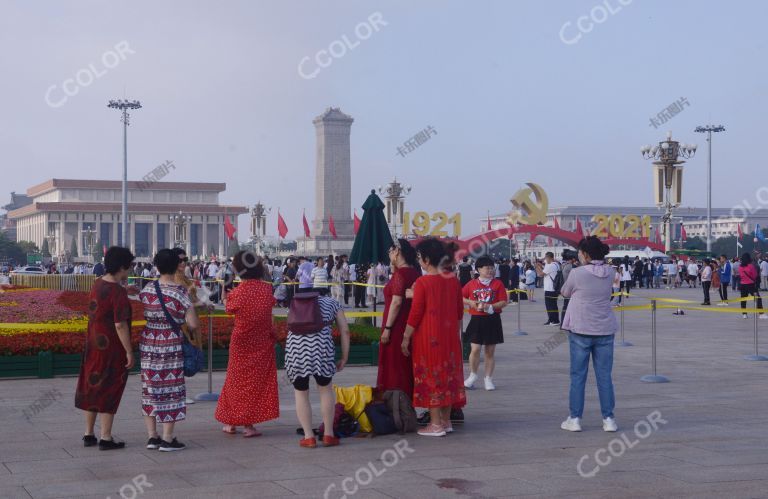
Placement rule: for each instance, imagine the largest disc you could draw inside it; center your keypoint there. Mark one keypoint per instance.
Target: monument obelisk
(333, 184)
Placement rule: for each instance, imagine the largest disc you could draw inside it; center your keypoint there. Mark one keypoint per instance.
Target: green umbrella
(373, 238)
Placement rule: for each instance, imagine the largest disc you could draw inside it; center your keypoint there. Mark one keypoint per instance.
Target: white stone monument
(333, 186)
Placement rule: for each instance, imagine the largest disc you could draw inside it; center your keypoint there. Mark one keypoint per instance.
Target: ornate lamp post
(259, 226)
(668, 177)
(180, 223)
(124, 106)
(89, 241)
(394, 200)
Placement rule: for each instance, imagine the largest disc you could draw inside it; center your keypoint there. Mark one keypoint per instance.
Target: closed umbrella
(373, 238)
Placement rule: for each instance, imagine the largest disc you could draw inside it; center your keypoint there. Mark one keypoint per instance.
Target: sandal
(251, 432)
(229, 429)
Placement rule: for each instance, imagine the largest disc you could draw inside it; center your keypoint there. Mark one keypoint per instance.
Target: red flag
(579, 229)
(357, 223)
(741, 234)
(306, 224)
(489, 221)
(332, 227)
(104, 249)
(282, 228)
(682, 232)
(229, 229)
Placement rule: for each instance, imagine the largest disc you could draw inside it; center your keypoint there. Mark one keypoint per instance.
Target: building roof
(59, 183)
(333, 114)
(17, 201)
(169, 208)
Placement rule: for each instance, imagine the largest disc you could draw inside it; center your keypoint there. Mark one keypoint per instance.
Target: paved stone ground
(713, 444)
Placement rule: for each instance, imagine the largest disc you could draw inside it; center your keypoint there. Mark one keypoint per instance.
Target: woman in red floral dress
(249, 395)
(108, 353)
(396, 369)
(434, 324)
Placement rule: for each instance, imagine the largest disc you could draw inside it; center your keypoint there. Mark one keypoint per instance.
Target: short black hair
(594, 247)
(116, 259)
(484, 261)
(167, 261)
(549, 254)
(248, 265)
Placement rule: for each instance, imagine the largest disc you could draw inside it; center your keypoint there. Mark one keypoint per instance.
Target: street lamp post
(668, 174)
(124, 106)
(180, 222)
(708, 129)
(394, 198)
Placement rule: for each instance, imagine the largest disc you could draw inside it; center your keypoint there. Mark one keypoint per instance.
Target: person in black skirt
(485, 297)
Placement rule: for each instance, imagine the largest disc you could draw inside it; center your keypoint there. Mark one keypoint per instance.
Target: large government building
(65, 210)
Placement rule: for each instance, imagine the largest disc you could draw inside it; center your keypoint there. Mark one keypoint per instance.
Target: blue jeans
(601, 349)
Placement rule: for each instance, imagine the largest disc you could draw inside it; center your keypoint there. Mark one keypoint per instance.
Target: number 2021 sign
(622, 226)
(420, 223)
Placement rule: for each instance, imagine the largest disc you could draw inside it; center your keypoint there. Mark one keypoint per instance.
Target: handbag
(194, 359)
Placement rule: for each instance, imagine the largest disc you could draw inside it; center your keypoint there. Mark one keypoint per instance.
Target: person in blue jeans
(591, 325)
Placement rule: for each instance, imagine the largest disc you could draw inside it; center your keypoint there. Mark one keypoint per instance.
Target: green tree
(11, 250)
(73, 248)
(28, 247)
(695, 243)
(46, 252)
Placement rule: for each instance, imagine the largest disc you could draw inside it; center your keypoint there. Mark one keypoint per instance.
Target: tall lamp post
(180, 222)
(259, 226)
(708, 129)
(124, 106)
(668, 177)
(394, 199)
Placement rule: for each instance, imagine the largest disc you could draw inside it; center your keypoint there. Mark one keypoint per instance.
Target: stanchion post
(756, 355)
(209, 396)
(519, 331)
(623, 342)
(654, 378)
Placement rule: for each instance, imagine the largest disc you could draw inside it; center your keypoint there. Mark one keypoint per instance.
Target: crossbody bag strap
(174, 325)
(396, 412)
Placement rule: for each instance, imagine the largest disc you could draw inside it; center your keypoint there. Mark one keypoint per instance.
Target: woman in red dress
(108, 354)
(434, 323)
(396, 369)
(250, 393)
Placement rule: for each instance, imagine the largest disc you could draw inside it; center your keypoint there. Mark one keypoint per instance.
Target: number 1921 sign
(421, 224)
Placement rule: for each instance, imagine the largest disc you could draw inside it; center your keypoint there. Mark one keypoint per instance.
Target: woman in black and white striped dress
(313, 355)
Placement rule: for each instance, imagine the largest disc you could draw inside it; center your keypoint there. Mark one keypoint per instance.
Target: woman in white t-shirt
(616, 286)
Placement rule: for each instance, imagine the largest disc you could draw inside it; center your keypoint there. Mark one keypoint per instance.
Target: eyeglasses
(184, 259)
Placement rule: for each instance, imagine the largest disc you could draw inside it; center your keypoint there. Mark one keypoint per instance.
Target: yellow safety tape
(718, 310)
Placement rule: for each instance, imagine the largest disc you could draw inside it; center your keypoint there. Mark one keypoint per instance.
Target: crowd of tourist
(425, 295)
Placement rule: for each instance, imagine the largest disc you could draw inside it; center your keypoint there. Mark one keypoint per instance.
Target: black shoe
(171, 446)
(110, 444)
(457, 416)
(423, 420)
(89, 441)
(547, 323)
(154, 443)
(706, 303)
(554, 323)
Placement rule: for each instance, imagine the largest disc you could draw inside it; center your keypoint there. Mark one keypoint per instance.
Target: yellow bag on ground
(354, 399)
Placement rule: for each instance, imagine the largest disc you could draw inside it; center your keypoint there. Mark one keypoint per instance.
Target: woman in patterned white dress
(163, 392)
(313, 355)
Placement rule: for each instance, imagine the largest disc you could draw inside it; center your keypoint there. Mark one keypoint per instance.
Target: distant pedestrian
(549, 273)
(750, 281)
(725, 279)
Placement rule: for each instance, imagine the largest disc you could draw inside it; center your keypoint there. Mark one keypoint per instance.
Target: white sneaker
(763, 316)
(609, 424)
(489, 384)
(469, 383)
(743, 316)
(190, 401)
(571, 424)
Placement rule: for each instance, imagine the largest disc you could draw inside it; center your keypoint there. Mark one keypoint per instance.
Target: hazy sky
(510, 100)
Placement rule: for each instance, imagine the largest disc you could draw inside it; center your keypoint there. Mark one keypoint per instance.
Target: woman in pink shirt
(749, 279)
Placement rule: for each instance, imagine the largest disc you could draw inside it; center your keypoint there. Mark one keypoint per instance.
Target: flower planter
(47, 364)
